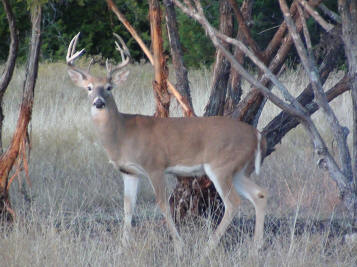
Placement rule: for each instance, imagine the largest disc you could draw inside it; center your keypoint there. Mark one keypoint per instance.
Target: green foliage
(198, 48)
(22, 16)
(62, 19)
(96, 24)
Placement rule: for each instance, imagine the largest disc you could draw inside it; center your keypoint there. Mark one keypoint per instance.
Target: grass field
(72, 213)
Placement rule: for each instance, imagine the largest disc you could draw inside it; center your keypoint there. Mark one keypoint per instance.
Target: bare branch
(324, 24)
(245, 30)
(305, 30)
(276, 40)
(332, 15)
(248, 109)
(183, 102)
(296, 109)
(278, 127)
(340, 133)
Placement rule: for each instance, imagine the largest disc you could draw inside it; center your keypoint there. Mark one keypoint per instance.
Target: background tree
(342, 172)
(16, 153)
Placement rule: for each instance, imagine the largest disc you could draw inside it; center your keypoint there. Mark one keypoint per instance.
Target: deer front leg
(130, 192)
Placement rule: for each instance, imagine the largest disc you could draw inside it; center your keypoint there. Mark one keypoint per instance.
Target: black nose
(99, 103)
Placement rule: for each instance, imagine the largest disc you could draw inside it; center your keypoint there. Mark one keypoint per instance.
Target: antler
(71, 54)
(125, 57)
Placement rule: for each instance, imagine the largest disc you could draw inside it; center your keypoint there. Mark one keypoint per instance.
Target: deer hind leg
(158, 182)
(224, 186)
(258, 197)
(130, 192)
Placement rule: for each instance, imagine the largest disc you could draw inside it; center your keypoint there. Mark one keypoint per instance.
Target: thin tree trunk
(197, 196)
(161, 72)
(10, 62)
(247, 109)
(222, 66)
(16, 152)
(348, 12)
(182, 83)
(234, 89)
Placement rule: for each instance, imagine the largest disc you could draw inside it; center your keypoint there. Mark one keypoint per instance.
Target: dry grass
(72, 214)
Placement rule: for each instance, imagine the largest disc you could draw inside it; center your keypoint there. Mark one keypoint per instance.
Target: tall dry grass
(72, 213)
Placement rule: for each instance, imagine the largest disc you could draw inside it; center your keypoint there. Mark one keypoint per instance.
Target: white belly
(181, 170)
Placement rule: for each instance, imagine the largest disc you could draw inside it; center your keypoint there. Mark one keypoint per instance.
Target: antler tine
(90, 64)
(123, 48)
(117, 47)
(71, 54)
(108, 67)
(124, 53)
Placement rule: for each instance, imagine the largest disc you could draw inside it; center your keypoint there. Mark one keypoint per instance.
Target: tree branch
(245, 30)
(324, 24)
(294, 109)
(183, 102)
(332, 15)
(340, 133)
(278, 127)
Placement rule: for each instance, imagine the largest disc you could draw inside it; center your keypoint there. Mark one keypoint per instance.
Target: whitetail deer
(224, 149)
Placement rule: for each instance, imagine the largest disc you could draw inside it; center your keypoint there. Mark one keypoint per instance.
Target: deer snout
(99, 102)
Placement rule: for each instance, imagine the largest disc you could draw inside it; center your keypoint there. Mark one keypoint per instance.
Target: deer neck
(109, 124)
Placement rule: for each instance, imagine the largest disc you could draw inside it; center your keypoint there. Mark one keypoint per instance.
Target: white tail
(258, 154)
(143, 146)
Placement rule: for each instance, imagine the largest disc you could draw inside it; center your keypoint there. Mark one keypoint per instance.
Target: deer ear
(120, 77)
(78, 78)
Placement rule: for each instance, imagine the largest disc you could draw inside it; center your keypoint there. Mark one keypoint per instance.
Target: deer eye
(89, 88)
(109, 87)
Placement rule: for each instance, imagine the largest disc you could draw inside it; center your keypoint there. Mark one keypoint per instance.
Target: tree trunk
(10, 62)
(215, 106)
(16, 152)
(196, 188)
(348, 12)
(161, 71)
(234, 89)
(294, 108)
(182, 83)
(197, 196)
